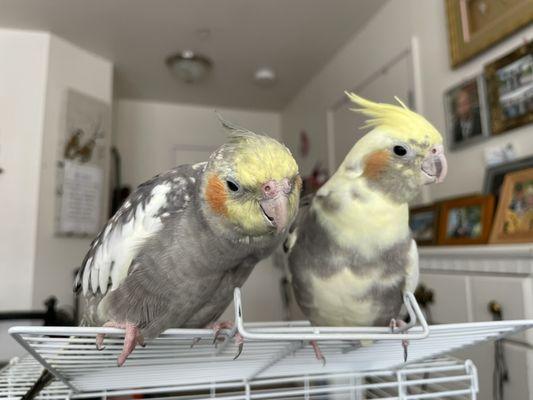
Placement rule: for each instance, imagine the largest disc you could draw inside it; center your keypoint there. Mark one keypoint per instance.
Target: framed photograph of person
(466, 220)
(423, 222)
(467, 119)
(510, 89)
(494, 175)
(514, 216)
(475, 25)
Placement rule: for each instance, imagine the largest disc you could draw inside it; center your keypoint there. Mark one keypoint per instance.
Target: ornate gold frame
(464, 48)
(498, 122)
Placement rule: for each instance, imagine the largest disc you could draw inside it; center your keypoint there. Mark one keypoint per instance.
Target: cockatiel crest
(402, 151)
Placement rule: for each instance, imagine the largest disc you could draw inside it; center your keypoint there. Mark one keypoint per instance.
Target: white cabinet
(464, 281)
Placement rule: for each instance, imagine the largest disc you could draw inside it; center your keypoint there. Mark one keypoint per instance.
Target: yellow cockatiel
(351, 253)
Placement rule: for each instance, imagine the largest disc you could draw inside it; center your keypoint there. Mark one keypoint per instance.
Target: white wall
(22, 86)
(372, 47)
(70, 67)
(384, 36)
(23, 68)
(146, 134)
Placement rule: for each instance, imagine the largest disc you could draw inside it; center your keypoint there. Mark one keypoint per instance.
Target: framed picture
(510, 89)
(466, 220)
(514, 217)
(495, 175)
(423, 222)
(475, 25)
(467, 119)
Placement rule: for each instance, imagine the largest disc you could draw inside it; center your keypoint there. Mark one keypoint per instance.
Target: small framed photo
(466, 220)
(423, 222)
(467, 120)
(494, 176)
(514, 217)
(510, 89)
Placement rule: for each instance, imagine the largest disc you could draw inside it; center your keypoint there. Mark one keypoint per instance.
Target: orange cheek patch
(216, 195)
(376, 164)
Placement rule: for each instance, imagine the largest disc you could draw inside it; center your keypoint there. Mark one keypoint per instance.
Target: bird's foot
(399, 326)
(318, 353)
(195, 341)
(132, 338)
(218, 327)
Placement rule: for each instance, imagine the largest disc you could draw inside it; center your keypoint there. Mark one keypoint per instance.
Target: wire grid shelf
(436, 378)
(271, 351)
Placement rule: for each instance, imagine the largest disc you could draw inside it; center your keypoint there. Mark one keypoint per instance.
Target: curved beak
(276, 211)
(434, 165)
(275, 203)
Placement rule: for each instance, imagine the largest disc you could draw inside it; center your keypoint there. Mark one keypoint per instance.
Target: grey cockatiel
(351, 255)
(173, 253)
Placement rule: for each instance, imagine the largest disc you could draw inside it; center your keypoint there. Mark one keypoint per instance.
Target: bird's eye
(399, 150)
(232, 185)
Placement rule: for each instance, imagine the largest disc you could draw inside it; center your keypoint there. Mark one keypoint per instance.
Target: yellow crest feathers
(397, 120)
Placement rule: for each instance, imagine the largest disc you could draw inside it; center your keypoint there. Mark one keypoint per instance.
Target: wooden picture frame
(466, 220)
(476, 25)
(514, 217)
(423, 222)
(467, 114)
(495, 175)
(509, 92)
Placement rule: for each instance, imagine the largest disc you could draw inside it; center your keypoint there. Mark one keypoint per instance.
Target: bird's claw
(399, 326)
(318, 353)
(132, 337)
(240, 342)
(195, 341)
(219, 326)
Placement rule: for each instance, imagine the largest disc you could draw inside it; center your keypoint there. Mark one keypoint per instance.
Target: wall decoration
(466, 220)
(81, 164)
(423, 222)
(466, 111)
(510, 89)
(514, 217)
(495, 175)
(305, 144)
(475, 25)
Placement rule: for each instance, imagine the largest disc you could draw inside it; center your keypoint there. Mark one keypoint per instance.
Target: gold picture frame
(475, 25)
(509, 89)
(514, 217)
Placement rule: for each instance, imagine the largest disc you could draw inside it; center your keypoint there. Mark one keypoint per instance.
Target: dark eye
(399, 150)
(232, 185)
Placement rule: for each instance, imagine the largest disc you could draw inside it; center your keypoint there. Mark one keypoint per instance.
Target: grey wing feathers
(141, 216)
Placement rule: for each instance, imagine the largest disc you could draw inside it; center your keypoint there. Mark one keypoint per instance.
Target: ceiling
(295, 37)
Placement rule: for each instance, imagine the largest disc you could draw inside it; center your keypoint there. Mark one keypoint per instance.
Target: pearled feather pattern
(142, 215)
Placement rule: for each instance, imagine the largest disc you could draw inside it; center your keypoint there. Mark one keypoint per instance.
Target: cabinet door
(517, 387)
(450, 297)
(507, 291)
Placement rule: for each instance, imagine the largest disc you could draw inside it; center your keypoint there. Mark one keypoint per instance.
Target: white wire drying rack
(274, 353)
(443, 377)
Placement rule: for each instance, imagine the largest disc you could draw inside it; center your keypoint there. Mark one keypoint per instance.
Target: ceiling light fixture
(189, 66)
(265, 77)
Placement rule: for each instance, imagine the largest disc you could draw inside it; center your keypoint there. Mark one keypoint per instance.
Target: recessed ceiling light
(189, 66)
(265, 76)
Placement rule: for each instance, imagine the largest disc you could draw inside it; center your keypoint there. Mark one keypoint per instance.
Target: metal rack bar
(335, 333)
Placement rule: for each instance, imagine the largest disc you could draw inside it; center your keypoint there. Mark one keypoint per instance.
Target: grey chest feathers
(336, 286)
